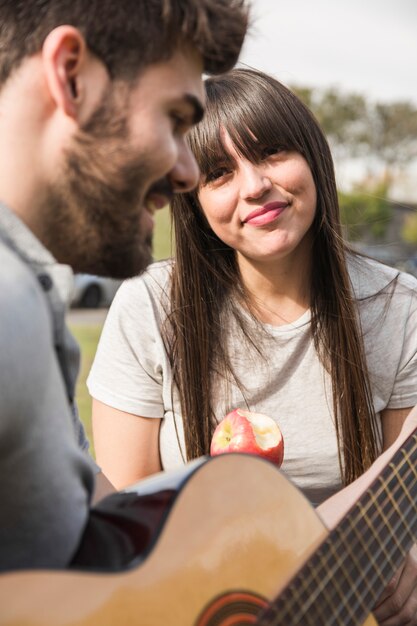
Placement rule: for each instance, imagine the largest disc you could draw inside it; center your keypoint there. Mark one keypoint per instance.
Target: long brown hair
(256, 110)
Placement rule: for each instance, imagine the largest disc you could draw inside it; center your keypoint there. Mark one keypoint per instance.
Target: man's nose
(185, 174)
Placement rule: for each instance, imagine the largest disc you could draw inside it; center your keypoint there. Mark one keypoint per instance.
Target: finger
(390, 588)
(399, 604)
(395, 605)
(405, 616)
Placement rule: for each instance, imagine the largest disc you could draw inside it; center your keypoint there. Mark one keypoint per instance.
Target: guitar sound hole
(234, 608)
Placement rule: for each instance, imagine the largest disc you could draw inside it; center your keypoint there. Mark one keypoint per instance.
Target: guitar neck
(343, 580)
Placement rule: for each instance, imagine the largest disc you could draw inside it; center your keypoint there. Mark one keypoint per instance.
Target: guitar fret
(344, 592)
(318, 612)
(406, 491)
(358, 561)
(315, 585)
(328, 562)
(308, 611)
(379, 554)
(410, 463)
(379, 564)
(398, 521)
(308, 585)
(405, 488)
(338, 610)
(357, 550)
(386, 524)
(325, 590)
(394, 504)
(304, 594)
(292, 608)
(369, 518)
(337, 550)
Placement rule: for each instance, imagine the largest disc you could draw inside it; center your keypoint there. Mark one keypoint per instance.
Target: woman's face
(263, 210)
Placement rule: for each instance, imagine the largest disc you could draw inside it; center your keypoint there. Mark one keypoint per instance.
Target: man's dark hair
(127, 35)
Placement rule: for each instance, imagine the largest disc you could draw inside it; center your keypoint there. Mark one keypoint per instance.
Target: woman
(265, 307)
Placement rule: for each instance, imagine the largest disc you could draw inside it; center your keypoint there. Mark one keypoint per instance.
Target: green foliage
(342, 116)
(393, 132)
(409, 230)
(87, 336)
(162, 235)
(366, 212)
(384, 133)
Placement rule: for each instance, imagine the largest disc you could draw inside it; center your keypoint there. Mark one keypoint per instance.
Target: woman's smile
(265, 214)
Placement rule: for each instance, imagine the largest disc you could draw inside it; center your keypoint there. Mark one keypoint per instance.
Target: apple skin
(238, 432)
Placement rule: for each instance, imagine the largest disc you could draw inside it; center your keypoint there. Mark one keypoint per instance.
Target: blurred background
(354, 64)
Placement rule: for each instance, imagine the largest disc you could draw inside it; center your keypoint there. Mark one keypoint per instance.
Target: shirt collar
(23, 241)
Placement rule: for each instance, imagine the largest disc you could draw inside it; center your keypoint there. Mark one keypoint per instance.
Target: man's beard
(93, 211)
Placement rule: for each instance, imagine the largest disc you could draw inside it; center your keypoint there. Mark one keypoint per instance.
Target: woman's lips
(266, 214)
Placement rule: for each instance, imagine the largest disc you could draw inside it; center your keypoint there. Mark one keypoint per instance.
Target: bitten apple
(253, 433)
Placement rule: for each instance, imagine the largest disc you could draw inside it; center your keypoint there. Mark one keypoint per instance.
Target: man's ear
(64, 54)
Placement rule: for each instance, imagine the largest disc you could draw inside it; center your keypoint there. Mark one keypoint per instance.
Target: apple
(253, 433)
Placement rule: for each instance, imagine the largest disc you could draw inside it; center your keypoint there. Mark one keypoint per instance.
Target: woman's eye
(270, 151)
(216, 174)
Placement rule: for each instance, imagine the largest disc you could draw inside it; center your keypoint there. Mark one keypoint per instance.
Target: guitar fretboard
(343, 580)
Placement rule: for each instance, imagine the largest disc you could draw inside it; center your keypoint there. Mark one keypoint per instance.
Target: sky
(364, 46)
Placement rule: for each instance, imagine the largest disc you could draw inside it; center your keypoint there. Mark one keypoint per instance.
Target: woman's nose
(254, 181)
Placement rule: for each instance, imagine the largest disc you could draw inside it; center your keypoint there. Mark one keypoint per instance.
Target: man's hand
(103, 488)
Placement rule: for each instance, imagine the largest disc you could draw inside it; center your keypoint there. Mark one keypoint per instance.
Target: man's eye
(179, 122)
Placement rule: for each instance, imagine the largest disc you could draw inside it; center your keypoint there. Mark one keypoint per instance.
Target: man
(96, 98)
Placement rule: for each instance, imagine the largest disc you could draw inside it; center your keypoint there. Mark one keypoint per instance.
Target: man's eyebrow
(198, 109)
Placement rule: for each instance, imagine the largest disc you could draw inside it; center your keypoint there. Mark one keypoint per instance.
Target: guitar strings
(369, 565)
(382, 487)
(327, 578)
(340, 535)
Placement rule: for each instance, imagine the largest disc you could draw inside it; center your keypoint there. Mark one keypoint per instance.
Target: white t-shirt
(131, 370)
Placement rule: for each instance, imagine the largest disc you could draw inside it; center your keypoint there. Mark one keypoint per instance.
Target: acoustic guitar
(239, 545)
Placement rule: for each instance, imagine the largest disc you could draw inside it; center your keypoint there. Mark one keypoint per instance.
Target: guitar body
(236, 534)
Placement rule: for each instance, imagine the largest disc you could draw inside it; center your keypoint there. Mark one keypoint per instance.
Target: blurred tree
(366, 212)
(343, 117)
(409, 230)
(393, 136)
(383, 134)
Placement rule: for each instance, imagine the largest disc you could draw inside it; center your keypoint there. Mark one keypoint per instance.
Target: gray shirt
(132, 371)
(46, 479)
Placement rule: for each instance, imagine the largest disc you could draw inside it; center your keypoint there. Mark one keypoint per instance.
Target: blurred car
(92, 292)
(410, 266)
(384, 253)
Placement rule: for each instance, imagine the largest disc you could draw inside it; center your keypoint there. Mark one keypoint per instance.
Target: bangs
(255, 115)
